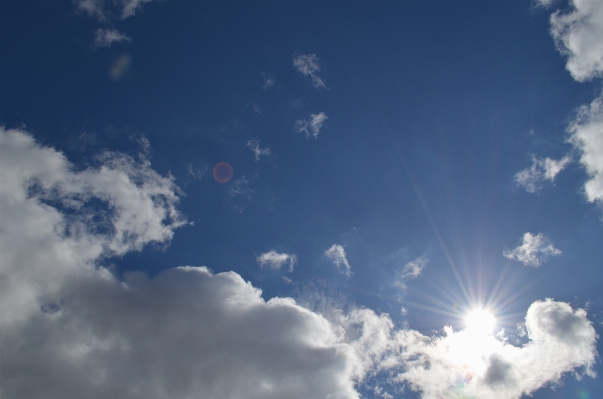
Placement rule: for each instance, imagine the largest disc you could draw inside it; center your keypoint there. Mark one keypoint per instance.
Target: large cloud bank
(71, 328)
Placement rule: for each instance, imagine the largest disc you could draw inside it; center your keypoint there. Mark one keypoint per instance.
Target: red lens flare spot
(223, 172)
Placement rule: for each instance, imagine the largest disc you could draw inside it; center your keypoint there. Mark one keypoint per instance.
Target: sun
(480, 321)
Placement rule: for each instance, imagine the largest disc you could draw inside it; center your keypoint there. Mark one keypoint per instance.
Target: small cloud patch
(533, 251)
(311, 127)
(532, 178)
(276, 260)
(337, 254)
(308, 65)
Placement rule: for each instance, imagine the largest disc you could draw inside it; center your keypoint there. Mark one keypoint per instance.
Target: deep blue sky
(432, 107)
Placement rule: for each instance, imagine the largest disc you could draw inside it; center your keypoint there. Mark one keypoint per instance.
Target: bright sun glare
(480, 321)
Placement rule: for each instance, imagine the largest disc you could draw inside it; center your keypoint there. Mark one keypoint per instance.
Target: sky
(301, 199)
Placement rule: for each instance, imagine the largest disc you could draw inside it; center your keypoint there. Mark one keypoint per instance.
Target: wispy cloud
(414, 268)
(533, 251)
(337, 254)
(254, 145)
(276, 260)
(410, 271)
(104, 10)
(106, 37)
(268, 82)
(532, 178)
(107, 12)
(311, 127)
(197, 172)
(240, 187)
(308, 65)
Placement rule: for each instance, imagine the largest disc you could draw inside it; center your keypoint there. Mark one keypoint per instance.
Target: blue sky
(396, 167)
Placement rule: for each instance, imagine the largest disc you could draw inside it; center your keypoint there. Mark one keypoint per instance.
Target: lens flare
(223, 172)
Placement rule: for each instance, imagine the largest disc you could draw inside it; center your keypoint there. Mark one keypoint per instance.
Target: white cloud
(106, 37)
(578, 36)
(415, 267)
(532, 178)
(308, 65)
(254, 145)
(71, 328)
(312, 126)
(410, 271)
(112, 209)
(470, 364)
(533, 251)
(337, 254)
(240, 187)
(152, 339)
(106, 10)
(586, 134)
(275, 260)
(268, 82)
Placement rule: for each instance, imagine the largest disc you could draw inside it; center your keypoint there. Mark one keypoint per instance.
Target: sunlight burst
(480, 321)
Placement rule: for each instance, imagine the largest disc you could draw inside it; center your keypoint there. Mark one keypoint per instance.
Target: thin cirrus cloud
(534, 250)
(254, 145)
(577, 34)
(533, 178)
(106, 37)
(309, 65)
(311, 127)
(337, 254)
(104, 10)
(75, 329)
(107, 11)
(268, 82)
(276, 260)
(411, 271)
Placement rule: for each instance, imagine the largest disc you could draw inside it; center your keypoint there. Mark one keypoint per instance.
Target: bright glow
(480, 321)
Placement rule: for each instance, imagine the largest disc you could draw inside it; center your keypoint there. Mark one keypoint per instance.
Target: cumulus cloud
(55, 215)
(533, 251)
(469, 363)
(254, 145)
(308, 65)
(106, 37)
(532, 178)
(337, 254)
(586, 134)
(276, 260)
(311, 126)
(71, 328)
(578, 34)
